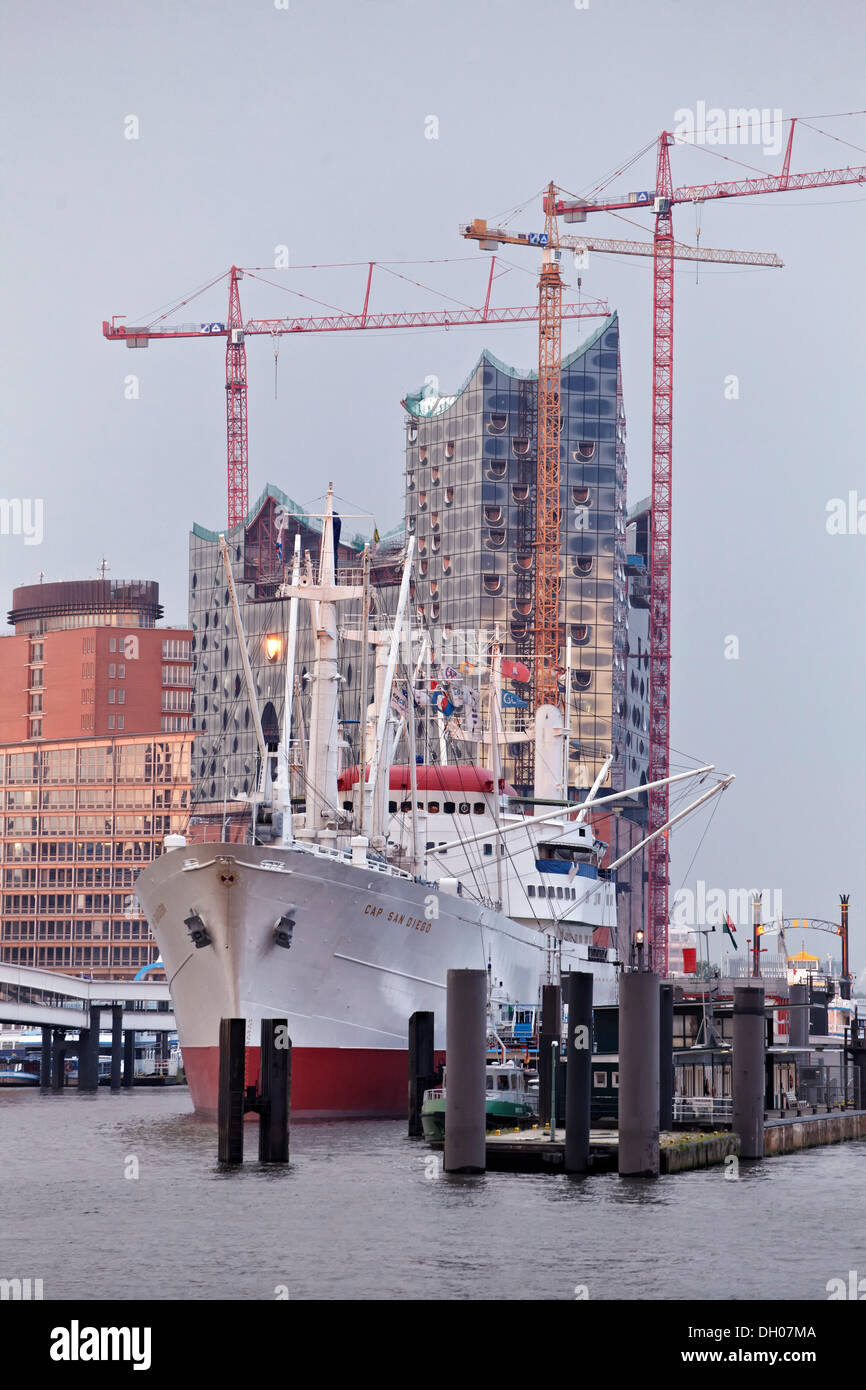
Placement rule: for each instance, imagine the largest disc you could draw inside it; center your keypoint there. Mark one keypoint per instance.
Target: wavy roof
(415, 398)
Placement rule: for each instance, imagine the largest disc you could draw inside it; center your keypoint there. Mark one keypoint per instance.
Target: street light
(638, 941)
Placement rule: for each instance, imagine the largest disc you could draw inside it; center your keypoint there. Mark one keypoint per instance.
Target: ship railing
(437, 1093)
(345, 855)
(707, 1109)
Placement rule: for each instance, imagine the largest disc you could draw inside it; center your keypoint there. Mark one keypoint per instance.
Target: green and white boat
(510, 1100)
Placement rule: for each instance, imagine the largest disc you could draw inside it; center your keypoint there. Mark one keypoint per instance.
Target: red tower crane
(661, 203)
(550, 285)
(235, 331)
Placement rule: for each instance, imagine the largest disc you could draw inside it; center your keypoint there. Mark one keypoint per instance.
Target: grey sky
(306, 127)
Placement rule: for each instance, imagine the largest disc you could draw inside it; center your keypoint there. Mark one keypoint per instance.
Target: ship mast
(322, 811)
(283, 789)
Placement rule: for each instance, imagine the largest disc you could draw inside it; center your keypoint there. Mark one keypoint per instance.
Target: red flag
(690, 960)
(515, 670)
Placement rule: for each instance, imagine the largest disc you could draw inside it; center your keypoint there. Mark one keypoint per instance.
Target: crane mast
(237, 445)
(550, 288)
(660, 561)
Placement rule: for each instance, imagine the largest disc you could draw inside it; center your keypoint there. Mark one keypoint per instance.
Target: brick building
(94, 770)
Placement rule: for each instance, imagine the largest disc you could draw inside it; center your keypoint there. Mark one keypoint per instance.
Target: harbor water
(120, 1196)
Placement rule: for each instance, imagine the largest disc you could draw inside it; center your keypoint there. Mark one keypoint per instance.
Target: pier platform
(533, 1151)
(680, 1151)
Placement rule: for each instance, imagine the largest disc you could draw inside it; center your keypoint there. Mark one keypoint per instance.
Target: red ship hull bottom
(327, 1082)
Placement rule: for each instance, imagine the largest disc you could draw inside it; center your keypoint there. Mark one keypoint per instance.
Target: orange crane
(236, 330)
(552, 242)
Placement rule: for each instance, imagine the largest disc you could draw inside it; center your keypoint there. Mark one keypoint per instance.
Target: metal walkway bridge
(46, 998)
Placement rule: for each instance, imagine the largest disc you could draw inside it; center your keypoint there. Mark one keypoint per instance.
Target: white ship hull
(368, 948)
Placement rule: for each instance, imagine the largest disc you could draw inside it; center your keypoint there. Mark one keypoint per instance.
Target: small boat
(19, 1078)
(510, 1100)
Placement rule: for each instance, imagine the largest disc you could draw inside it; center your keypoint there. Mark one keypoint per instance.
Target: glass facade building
(470, 502)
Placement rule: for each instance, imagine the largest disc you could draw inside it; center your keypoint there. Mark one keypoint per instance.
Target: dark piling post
(845, 983)
(858, 1055)
(88, 1052)
(420, 1066)
(639, 1074)
(275, 1085)
(465, 1097)
(129, 1057)
(578, 1065)
(45, 1060)
(798, 1016)
(231, 1090)
(58, 1066)
(116, 1044)
(747, 1070)
(666, 1056)
(551, 1028)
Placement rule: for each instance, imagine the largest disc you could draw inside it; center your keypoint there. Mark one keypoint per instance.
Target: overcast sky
(308, 127)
